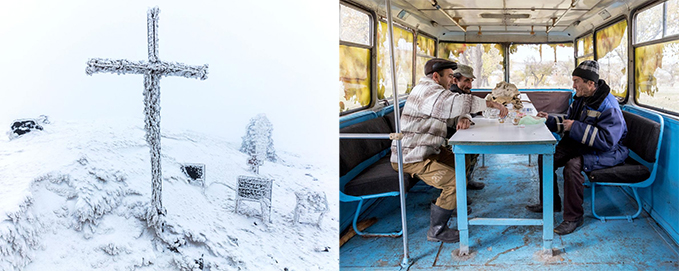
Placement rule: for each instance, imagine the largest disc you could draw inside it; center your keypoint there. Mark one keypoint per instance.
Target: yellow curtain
(609, 38)
(355, 77)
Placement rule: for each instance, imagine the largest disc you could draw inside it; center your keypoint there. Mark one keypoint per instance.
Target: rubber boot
(438, 228)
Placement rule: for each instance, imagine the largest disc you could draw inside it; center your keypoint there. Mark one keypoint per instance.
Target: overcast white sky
(267, 56)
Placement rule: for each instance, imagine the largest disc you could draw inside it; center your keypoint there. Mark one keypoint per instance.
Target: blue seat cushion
(379, 177)
(629, 172)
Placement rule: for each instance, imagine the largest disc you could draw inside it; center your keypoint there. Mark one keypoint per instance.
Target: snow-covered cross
(152, 70)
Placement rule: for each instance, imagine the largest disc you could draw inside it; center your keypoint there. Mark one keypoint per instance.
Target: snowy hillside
(73, 197)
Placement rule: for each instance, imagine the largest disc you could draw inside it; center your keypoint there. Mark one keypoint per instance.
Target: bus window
(656, 63)
(541, 65)
(355, 47)
(649, 25)
(672, 21)
(403, 57)
(487, 59)
(585, 49)
(611, 52)
(426, 50)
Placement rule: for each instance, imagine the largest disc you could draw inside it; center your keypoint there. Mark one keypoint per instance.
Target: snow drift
(74, 196)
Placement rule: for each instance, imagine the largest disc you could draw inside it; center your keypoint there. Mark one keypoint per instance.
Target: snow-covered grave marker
(310, 201)
(195, 172)
(257, 189)
(152, 70)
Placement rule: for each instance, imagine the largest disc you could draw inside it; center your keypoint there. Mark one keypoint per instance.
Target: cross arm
(180, 69)
(120, 66)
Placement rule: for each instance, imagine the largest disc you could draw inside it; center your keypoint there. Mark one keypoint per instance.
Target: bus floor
(511, 183)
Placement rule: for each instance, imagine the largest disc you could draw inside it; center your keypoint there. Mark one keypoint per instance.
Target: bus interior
(535, 46)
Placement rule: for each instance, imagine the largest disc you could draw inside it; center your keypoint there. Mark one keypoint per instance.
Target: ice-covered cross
(152, 70)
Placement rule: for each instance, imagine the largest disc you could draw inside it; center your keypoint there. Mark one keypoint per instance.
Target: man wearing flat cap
(463, 77)
(430, 107)
(593, 130)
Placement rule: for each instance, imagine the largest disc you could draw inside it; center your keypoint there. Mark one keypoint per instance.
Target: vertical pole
(152, 27)
(152, 125)
(397, 116)
(152, 112)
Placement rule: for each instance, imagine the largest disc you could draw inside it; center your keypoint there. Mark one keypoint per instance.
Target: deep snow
(73, 197)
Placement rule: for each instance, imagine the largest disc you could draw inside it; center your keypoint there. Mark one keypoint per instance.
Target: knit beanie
(588, 69)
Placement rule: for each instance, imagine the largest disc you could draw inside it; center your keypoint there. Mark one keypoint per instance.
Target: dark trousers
(567, 155)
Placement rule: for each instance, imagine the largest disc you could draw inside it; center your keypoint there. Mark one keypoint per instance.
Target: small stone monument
(310, 202)
(195, 172)
(257, 189)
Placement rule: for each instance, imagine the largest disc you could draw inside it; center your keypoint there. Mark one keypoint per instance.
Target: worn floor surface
(511, 183)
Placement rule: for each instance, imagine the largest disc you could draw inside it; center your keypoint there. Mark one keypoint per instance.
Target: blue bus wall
(661, 199)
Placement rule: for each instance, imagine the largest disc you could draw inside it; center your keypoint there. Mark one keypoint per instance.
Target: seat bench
(644, 138)
(365, 167)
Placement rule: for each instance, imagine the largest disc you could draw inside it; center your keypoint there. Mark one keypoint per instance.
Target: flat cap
(438, 64)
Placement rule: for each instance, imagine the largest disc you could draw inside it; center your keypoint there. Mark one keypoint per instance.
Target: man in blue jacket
(593, 131)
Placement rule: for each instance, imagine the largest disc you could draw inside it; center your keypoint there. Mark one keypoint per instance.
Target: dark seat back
(355, 151)
(642, 136)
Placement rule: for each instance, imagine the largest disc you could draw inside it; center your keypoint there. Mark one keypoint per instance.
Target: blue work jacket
(598, 126)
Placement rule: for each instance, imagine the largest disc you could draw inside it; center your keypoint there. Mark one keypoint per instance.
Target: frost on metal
(258, 142)
(255, 189)
(309, 202)
(152, 70)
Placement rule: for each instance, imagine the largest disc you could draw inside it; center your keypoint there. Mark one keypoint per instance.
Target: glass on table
(491, 113)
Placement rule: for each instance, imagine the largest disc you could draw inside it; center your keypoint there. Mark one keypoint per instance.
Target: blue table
(488, 136)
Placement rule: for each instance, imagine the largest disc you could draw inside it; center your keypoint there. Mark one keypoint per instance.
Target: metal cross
(152, 70)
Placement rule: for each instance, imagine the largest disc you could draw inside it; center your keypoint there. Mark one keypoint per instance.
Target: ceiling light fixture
(504, 16)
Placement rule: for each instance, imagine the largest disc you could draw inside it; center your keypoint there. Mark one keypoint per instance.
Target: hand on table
(542, 114)
(463, 123)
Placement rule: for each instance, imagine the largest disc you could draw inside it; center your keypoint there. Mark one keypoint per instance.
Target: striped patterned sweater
(426, 114)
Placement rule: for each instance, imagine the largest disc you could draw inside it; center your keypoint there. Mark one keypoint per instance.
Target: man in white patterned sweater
(428, 109)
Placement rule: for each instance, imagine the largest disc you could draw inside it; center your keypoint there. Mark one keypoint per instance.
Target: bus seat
(644, 137)
(365, 167)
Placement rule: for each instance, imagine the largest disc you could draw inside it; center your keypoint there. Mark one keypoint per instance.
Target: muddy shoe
(567, 227)
(438, 227)
(473, 185)
(537, 208)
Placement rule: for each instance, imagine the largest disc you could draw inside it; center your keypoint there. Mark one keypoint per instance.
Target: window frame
(630, 75)
(633, 46)
(371, 48)
(505, 63)
(415, 55)
(412, 31)
(508, 60)
(575, 46)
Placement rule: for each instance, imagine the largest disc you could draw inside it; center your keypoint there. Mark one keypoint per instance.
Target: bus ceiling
(503, 20)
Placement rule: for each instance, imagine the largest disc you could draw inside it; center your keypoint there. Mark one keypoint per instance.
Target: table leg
(461, 188)
(548, 203)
